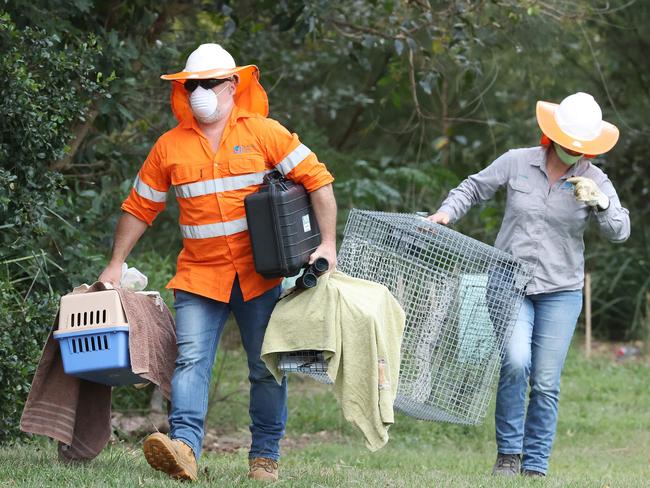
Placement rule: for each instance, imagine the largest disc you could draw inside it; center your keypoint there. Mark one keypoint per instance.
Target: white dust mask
(205, 104)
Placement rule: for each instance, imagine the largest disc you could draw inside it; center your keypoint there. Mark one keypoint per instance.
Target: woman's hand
(439, 218)
(587, 191)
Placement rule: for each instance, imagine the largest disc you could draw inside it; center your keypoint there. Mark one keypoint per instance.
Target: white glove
(587, 191)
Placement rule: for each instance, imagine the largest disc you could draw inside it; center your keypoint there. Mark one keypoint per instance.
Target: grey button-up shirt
(542, 225)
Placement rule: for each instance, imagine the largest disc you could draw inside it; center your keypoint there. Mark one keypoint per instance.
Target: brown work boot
(170, 456)
(532, 474)
(507, 465)
(263, 469)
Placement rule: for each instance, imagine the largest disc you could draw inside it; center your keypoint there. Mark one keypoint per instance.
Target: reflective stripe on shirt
(219, 185)
(145, 191)
(293, 159)
(218, 229)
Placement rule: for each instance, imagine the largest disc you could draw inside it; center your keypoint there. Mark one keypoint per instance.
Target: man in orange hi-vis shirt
(218, 154)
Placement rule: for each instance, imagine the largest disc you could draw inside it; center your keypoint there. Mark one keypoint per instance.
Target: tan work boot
(263, 469)
(170, 456)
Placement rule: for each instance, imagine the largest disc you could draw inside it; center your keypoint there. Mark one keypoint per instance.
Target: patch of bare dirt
(129, 427)
(233, 441)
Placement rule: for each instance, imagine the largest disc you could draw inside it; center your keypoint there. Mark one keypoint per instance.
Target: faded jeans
(199, 324)
(535, 354)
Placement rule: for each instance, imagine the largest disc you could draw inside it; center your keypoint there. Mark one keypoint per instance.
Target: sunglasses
(191, 85)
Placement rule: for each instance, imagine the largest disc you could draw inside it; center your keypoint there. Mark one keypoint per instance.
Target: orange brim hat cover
(250, 94)
(549, 126)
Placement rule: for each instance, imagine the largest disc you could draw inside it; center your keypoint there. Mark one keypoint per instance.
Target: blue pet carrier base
(99, 355)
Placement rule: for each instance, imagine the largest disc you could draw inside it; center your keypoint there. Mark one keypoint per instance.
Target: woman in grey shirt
(552, 190)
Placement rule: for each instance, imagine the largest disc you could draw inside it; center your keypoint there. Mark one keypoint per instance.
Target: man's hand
(439, 218)
(112, 274)
(129, 230)
(587, 191)
(326, 250)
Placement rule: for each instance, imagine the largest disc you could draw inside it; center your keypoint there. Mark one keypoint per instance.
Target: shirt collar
(190, 123)
(236, 114)
(539, 160)
(577, 169)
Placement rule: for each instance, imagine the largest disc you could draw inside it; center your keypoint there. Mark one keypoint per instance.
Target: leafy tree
(40, 102)
(60, 82)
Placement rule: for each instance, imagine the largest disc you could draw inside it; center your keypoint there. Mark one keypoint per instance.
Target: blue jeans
(199, 324)
(535, 354)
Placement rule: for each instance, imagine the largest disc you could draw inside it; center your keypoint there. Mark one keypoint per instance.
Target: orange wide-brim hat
(603, 141)
(250, 94)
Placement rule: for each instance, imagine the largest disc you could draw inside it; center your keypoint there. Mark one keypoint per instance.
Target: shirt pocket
(522, 186)
(520, 196)
(246, 163)
(183, 174)
(569, 214)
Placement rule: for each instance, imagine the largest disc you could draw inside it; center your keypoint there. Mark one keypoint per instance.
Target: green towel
(358, 325)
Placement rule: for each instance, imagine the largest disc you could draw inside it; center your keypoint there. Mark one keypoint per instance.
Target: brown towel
(76, 412)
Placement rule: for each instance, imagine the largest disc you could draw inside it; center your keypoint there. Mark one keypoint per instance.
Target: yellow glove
(587, 191)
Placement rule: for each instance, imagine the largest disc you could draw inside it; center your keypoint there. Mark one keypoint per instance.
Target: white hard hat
(209, 57)
(207, 61)
(580, 117)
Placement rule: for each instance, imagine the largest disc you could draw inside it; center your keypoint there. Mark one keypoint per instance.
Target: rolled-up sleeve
(149, 193)
(614, 222)
(292, 158)
(477, 188)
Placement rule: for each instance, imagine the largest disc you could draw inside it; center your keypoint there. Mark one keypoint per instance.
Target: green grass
(603, 440)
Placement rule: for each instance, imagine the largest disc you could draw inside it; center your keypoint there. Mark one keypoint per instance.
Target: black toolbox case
(282, 227)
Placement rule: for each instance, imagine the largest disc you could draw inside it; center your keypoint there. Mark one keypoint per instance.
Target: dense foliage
(48, 83)
(402, 99)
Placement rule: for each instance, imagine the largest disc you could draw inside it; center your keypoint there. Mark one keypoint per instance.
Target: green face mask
(565, 157)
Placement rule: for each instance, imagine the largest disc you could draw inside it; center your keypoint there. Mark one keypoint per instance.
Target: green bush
(25, 324)
(70, 80)
(48, 84)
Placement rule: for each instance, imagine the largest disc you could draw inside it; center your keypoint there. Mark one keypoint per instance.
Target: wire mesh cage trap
(461, 299)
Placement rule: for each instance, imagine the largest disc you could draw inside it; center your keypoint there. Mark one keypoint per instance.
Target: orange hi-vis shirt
(210, 188)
